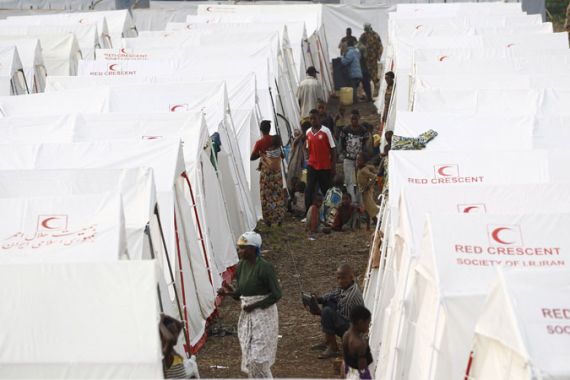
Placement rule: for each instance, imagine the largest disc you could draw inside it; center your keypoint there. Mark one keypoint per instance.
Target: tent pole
(199, 227)
(186, 335)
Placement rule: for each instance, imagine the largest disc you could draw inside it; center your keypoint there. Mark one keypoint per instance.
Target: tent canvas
(12, 78)
(83, 342)
(135, 185)
(174, 196)
(415, 202)
(453, 280)
(468, 132)
(62, 229)
(30, 52)
(522, 324)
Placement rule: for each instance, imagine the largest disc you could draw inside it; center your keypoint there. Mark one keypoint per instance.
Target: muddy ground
(300, 264)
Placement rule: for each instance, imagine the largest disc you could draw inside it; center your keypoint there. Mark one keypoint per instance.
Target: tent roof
(62, 229)
(464, 262)
(529, 309)
(80, 333)
(446, 168)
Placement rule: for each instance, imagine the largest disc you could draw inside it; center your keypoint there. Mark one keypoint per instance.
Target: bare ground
(297, 261)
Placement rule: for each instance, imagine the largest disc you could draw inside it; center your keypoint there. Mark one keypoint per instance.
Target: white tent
(80, 320)
(86, 34)
(458, 132)
(522, 332)
(12, 78)
(30, 52)
(174, 196)
(406, 245)
(63, 229)
(452, 281)
(135, 185)
(57, 103)
(93, 18)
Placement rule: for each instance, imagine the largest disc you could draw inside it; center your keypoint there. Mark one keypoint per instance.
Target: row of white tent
(135, 162)
(477, 219)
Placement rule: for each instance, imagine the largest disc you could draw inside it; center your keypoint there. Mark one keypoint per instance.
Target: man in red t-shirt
(322, 158)
(264, 142)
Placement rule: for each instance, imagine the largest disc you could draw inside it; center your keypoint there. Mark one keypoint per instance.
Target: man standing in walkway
(343, 46)
(352, 60)
(322, 158)
(352, 140)
(389, 77)
(309, 92)
(374, 50)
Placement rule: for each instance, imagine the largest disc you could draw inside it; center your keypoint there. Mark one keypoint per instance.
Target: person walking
(352, 60)
(322, 158)
(309, 92)
(258, 289)
(374, 50)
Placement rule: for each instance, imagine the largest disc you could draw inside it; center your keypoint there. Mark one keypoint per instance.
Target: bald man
(335, 313)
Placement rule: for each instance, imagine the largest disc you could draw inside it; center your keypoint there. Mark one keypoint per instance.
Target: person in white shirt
(309, 93)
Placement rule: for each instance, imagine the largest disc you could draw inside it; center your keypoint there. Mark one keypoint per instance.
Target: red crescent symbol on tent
(45, 223)
(208, 9)
(123, 51)
(112, 67)
(495, 235)
(418, 27)
(468, 209)
(189, 26)
(82, 20)
(443, 58)
(441, 171)
(175, 107)
(510, 45)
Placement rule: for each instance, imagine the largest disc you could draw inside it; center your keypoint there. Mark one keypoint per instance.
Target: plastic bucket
(346, 96)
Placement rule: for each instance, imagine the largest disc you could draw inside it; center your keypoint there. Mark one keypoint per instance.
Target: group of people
(361, 58)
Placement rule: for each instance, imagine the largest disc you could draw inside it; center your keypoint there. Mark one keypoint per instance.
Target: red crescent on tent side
(122, 51)
(468, 209)
(443, 58)
(46, 225)
(174, 108)
(112, 67)
(441, 171)
(418, 27)
(495, 235)
(208, 9)
(510, 45)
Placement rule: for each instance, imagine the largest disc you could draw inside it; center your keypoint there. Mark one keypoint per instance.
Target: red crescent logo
(123, 51)
(112, 67)
(443, 58)
(468, 209)
(441, 171)
(176, 107)
(45, 223)
(82, 21)
(497, 238)
(510, 45)
(418, 27)
(151, 137)
(208, 9)
(189, 26)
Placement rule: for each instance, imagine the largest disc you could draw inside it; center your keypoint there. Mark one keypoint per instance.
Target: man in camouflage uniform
(374, 50)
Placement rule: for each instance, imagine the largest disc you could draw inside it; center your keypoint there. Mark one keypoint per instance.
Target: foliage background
(556, 12)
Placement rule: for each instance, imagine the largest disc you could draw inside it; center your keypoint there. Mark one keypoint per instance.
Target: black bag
(310, 302)
(340, 74)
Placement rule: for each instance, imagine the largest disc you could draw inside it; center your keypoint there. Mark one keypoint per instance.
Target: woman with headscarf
(258, 289)
(268, 149)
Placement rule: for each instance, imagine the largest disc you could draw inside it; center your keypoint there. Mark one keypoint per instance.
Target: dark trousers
(355, 82)
(315, 177)
(366, 85)
(332, 323)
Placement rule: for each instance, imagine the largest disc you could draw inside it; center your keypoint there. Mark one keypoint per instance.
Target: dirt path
(316, 262)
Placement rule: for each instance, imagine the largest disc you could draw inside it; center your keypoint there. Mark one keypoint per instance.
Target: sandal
(328, 353)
